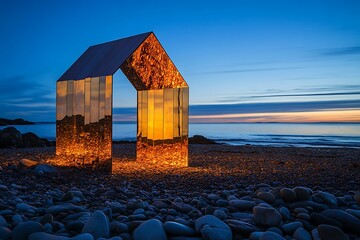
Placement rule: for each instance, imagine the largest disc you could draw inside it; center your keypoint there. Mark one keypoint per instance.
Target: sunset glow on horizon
(244, 61)
(350, 116)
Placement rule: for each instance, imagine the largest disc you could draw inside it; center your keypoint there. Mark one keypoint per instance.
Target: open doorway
(124, 126)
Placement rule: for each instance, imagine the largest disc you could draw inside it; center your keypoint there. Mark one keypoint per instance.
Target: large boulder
(10, 137)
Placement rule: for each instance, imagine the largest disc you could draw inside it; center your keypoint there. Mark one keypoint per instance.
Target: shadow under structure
(84, 105)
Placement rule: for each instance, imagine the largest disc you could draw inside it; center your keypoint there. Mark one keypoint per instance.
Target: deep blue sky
(243, 60)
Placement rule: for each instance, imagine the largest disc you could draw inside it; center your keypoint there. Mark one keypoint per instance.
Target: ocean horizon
(264, 134)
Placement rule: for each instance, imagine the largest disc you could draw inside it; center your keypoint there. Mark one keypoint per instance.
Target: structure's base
(174, 154)
(81, 162)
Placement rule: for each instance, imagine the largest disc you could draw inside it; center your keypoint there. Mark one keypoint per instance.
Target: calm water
(274, 134)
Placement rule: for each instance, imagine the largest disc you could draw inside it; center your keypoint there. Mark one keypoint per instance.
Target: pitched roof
(103, 59)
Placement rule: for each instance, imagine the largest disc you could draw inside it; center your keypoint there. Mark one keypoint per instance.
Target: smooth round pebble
(271, 236)
(97, 225)
(24, 229)
(287, 194)
(267, 216)
(328, 232)
(149, 230)
(301, 234)
(178, 229)
(266, 196)
(212, 228)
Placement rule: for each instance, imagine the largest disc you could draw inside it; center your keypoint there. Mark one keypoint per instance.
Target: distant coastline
(18, 121)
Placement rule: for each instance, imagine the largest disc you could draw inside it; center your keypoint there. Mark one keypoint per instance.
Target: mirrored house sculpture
(84, 104)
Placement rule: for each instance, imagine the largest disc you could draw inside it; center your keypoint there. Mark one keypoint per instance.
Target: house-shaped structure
(84, 104)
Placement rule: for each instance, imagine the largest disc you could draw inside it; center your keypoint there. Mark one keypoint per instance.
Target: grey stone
(357, 197)
(241, 226)
(303, 216)
(266, 196)
(75, 226)
(314, 205)
(291, 227)
(25, 207)
(287, 194)
(354, 212)
(97, 225)
(255, 235)
(271, 236)
(315, 234)
(45, 168)
(267, 216)
(181, 207)
(45, 236)
(242, 216)
(16, 218)
(326, 198)
(28, 163)
(160, 204)
(68, 196)
(84, 236)
(275, 230)
(3, 222)
(185, 238)
(300, 210)
(5, 233)
(242, 204)
(302, 193)
(301, 234)
(328, 232)
(285, 213)
(118, 227)
(220, 214)
(24, 229)
(212, 228)
(178, 229)
(213, 196)
(149, 230)
(222, 203)
(47, 218)
(350, 223)
(318, 219)
(65, 207)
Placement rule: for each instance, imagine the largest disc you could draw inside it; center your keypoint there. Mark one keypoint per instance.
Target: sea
(266, 134)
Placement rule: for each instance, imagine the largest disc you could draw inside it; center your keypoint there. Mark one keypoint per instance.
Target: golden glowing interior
(84, 113)
(162, 134)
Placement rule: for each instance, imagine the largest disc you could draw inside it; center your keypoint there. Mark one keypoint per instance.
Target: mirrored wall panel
(163, 126)
(84, 122)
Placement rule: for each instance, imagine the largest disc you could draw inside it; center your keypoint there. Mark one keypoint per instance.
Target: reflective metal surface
(162, 135)
(149, 67)
(84, 105)
(83, 126)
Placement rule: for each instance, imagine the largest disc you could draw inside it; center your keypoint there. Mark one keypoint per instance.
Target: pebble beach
(227, 192)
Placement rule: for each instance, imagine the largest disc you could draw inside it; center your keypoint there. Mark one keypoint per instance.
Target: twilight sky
(292, 61)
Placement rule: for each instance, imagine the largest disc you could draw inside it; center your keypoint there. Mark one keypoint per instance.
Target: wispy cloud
(236, 99)
(343, 51)
(273, 107)
(263, 69)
